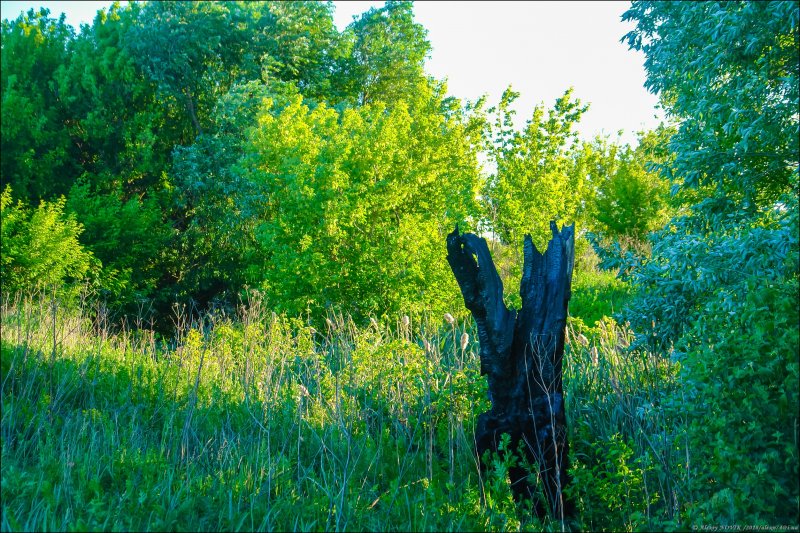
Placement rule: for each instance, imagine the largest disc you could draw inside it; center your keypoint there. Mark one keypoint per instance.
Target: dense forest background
(201, 148)
(179, 177)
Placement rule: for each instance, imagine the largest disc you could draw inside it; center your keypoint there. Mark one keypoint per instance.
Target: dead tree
(521, 355)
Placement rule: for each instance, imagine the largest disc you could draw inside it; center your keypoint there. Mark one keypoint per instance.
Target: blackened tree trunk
(521, 355)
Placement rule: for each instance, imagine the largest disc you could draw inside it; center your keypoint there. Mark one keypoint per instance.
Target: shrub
(40, 246)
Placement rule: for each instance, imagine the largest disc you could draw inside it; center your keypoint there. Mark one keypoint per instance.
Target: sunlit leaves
(39, 247)
(537, 177)
(631, 198)
(357, 203)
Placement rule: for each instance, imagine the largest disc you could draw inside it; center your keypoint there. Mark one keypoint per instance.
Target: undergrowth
(261, 422)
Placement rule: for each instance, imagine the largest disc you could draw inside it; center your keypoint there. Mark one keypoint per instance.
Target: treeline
(719, 291)
(182, 151)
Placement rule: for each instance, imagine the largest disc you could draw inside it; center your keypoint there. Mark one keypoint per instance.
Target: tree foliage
(537, 170)
(728, 71)
(719, 292)
(127, 235)
(357, 202)
(39, 247)
(123, 131)
(630, 199)
(38, 159)
(188, 49)
(220, 202)
(385, 59)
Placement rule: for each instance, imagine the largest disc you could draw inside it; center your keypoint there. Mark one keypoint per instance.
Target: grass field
(259, 422)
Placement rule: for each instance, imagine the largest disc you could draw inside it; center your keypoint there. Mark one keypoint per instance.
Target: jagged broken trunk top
(521, 355)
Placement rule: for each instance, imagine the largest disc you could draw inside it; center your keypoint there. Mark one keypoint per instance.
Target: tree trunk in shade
(521, 354)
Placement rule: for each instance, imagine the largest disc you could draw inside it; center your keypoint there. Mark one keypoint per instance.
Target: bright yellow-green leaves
(631, 198)
(538, 175)
(39, 247)
(358, 203)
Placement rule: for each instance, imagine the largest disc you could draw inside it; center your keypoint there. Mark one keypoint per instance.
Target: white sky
(539, 48)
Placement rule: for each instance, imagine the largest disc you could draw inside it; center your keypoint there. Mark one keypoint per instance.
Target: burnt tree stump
(521, 355)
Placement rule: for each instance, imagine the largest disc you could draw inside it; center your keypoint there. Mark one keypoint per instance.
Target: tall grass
(626, 473)
(261, 422)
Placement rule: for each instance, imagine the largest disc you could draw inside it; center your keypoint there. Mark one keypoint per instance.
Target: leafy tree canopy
(39, 247)
(358, 202)
(727, 72)
(719, 292)
(37, 149)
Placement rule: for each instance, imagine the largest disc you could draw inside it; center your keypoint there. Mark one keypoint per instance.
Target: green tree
(719, 292)
(383, 57)
(358, 202)
(38, 159)
(537, 176)
(125, 135)
(129, 237)
(183, 47)
(195, 51)
(293, 41)
(221, 201)
(199, 57)
(630, 199)
(723, 160)
(728, 72)
(123, 131)
(39, 247)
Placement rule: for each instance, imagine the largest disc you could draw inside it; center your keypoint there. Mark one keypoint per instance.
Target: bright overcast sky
(539, 48)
